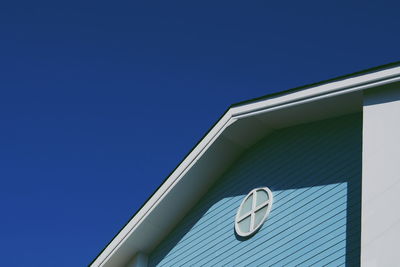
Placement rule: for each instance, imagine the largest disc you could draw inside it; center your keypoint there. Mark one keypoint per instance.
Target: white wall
(380, 223)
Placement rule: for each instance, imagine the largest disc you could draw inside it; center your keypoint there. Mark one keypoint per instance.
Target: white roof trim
(313, 93)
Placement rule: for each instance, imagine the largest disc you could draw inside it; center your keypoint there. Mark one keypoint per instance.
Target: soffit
(239, 128)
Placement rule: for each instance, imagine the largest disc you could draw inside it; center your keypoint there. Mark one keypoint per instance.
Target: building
(309, 176)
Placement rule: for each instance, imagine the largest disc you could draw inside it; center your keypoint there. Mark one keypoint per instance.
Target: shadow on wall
(383, 94)
(314, 172)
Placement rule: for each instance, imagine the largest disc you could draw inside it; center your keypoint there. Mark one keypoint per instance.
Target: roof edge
(388, 72)
(305, 86)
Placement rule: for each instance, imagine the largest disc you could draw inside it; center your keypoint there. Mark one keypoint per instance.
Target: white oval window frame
(252, 212)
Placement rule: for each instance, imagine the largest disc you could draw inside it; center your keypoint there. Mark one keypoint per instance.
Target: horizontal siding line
(277, 203)
(340, 261)
(251, 253)
(333, 239)
(238, 186)
(309, 243)
(307, 251)
(277, 252)
(275, 219)
(351, 235)
(272, 158)
(350, 252)
(324, 221)
(274, 210)
(312, 238)
(302, 217)
(314, 172)
(277, 168)
(234, 208)
(322, 252)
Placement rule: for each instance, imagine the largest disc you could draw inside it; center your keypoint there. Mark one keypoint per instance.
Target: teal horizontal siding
(314, 172)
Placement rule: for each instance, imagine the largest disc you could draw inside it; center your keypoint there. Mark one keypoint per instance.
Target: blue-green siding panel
(314, 172)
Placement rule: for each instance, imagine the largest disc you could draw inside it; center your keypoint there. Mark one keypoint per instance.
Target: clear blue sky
(100, 101)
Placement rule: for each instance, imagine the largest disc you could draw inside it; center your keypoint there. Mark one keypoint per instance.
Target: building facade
(306, 177)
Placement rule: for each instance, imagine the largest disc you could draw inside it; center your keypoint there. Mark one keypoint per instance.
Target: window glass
(244, 225)
(262, 197)
(247, 205)
(260, 215)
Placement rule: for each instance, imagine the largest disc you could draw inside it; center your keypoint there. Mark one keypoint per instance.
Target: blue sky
(99, 102)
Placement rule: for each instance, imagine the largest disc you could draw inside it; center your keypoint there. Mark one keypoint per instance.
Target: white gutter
(312, 94)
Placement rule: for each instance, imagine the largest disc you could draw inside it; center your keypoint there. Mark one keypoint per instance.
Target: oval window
(253, 211)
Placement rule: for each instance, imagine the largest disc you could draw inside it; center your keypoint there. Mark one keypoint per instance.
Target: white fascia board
(304, 96)
(164, 189)
(318, 92)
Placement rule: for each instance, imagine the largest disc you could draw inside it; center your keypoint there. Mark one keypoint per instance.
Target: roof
(242, 125)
